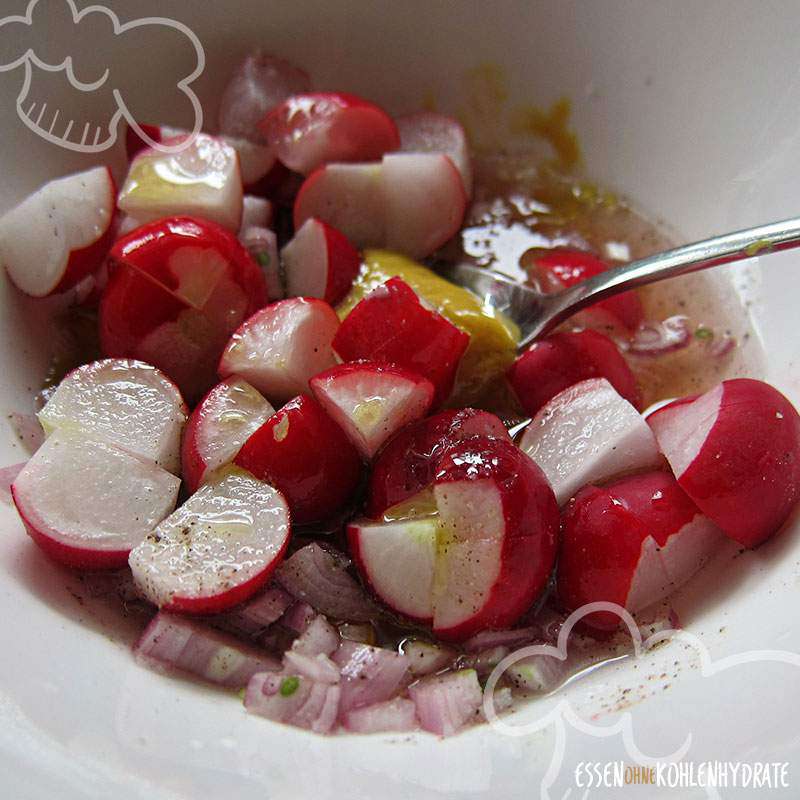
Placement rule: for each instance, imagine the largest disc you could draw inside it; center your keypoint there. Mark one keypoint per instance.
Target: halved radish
(309, 130)
(219, 426)
(305, 454)
(392, 325)
(480, 556)
(588, 433)
(262, 244)
(735, 451)
(631, 543)
(280, 347)
(557, 362)
(86, 503)
(372, 401)
(202, 179)
(410, 460)
(257, 212)
(258, 84)
(430, 132)
(217, 549)
(129, 403)
(59, 234)
(319, 262)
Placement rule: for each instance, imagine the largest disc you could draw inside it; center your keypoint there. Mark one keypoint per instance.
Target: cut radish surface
(319, 262)
(217, 549)
(429, 132)
(203, 179)
(257, 212)
(305, 454)
(87, 503)
(372, 401)
(736, 452)
(631, 543)
(556, 362)
(309, 130)
(588, 433)
(59, 234)
(446, 703)
(411, 459)
(482, 552)
(392, 325)
(128, 403)
(280, 347)
(262, 244)
(219, 426)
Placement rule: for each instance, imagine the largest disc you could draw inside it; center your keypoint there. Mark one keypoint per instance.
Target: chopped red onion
(369, 674)
(298, 617)
(485, 661)
(319, 576)
(187, 646)
(657, 338)
(722, 346)
(425, 658)
(7, 476)
(363, 633)
(445, 703)
(320, 637)
(538, 673)
(317, 668)
(395, 715)
(251, 618)
(503, 700)
(509, 638)
(27, 429)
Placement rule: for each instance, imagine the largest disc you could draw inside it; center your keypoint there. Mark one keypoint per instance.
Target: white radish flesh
(262, 244)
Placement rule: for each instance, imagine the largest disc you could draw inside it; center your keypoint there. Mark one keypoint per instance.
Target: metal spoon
(537, 313)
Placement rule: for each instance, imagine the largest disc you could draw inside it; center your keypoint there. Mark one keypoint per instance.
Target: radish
(483, 554)
(409, 462)
(302, 452)
(429, 132)
(217, 549)
(319, 262)
(128, 403)
(556, 362)
(177, 289)
(219, 426)
(86, 503)
(588, 433)
(632, 543)
(735, 451)
(257, 212)
(280, 347)
(202, 179)
(262, 244)
(392, 325)
(60, 234)
(309, 130)
(372, 401)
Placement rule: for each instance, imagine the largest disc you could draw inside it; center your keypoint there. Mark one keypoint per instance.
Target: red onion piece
(445, 703)
(251, 618)
(721, 346)
(509, 638)
(538, 673)
(319, 668)
(425, 658)
(485, 661)
(395, 715)
(27, 429)
(187, 646)
(319, 638)
(7, 476)
(658, 338)
(369, 674)
(319, 576)
(298, 617)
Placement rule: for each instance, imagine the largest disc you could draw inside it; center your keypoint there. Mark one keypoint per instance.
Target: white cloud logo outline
(29, 58)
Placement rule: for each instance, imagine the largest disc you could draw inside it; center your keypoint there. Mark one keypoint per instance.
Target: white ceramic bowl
(693, 110)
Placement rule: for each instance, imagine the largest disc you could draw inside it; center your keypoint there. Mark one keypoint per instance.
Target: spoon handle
(726, 249)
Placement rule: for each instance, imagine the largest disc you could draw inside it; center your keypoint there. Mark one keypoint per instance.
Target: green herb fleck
(241, 693)
(704, 333)
(289, 686)
(263, 258)
(755, 248)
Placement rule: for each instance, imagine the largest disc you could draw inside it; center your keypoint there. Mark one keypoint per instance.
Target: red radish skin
(736, 452)
(391, 324)
(320, 262)
(631, 543)
(409, 461)
(553, 364)
(302, 452)
(282, 346)
(372, 401)
(309, 130)
(60, 234)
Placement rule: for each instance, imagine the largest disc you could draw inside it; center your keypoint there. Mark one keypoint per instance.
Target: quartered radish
(280, 347)
(430, 132)
(372, 401)
(319, 262)
(256, 212)
(735, 451)
(202, 179)
(262, 244)
(219, 426)
(588, 433)
(305, 454)
(86, 503)
(309, 130)
(59, 234)
(556, 362)
(632, 543)
(409, 462)
(128, 403)
(392, 325)
(217, 549)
